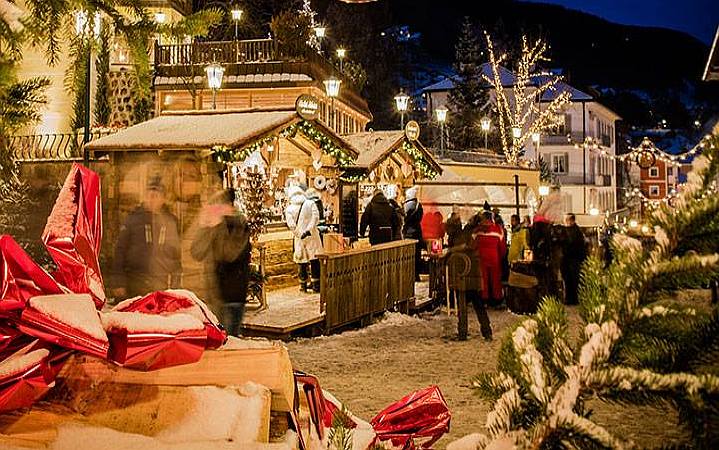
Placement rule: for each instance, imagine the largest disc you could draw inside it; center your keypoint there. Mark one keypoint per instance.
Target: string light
(425, 168)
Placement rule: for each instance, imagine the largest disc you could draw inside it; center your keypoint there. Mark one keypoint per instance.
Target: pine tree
(469, 96)
(640, 344)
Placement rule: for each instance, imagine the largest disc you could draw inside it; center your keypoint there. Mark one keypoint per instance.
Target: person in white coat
(303, 218)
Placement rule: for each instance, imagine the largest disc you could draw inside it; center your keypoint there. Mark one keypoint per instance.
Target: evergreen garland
(639, 345)
(420, 162)
(324, 142)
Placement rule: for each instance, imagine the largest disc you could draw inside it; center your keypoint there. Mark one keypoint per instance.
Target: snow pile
(200, 311)
(469, 442)
(75, 310)
(219, 414)
(235, 343)
(18, 363)
(387, 321)
(135, 322)
(220, 419)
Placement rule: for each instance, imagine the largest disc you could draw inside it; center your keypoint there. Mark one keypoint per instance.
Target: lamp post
(441, 113)
(536, 137)
(320, 33)
(214, 74)
(332, 88)
(236, 17)
(160, 18)
(341, 53)
(402, 102)
(82, 23)
(485, 123)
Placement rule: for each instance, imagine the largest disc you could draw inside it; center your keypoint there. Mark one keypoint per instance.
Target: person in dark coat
(413, 213)
(147, 254)
(223, 242)
(453, 227)
(464, 243)
(574, 255)
(380, 218)
(399, 211)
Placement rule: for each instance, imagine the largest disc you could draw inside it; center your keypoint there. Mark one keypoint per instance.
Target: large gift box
(68, 320)
(24, 377)
(151, 341)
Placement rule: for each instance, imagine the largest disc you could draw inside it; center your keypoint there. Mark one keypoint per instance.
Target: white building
(587, 178)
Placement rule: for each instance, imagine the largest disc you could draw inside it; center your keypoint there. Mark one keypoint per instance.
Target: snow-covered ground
(370, 368)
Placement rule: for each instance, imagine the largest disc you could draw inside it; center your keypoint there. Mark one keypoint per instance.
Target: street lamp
(441, 118)
(320, 33)
(332, 88)
(535, 140)
(485, 123)
(341, 53)
(82, 22)
(160, 18)
(543, 190)
(593, 211)
(214, 74)
(402, 102)
(236, 17)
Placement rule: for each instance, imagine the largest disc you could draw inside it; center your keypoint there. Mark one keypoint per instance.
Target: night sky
(696, 17)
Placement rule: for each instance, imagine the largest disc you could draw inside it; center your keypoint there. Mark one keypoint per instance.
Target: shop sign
(307, 107)
(411, 130)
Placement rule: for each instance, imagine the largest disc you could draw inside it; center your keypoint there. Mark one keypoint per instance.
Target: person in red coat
(490, 247)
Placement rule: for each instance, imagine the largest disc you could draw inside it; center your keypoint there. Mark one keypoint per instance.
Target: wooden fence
(359, 283)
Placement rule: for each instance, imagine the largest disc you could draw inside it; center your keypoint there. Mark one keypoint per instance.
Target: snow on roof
(200, 130)
(373, 145)
(505, 75)
(575, 95)
(711, 71)
(11, 14)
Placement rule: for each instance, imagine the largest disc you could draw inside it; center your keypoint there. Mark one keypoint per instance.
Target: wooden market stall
(193, 153)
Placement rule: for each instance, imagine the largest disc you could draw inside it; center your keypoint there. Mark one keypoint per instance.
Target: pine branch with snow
(640, 344)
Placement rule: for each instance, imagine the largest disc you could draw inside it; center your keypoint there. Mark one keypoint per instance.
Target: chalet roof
(711, 72)
(575, 95)
(194, 130)
(505, 75)
(375, 146)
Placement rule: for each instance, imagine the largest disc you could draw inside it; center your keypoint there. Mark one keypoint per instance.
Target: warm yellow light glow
(341, 53)
(441, 113)
(543, 190)
(402, 101)
(320, 32)
(485, 123)
(237, 14)
(332, 86)
(160, 17)
(214, 76)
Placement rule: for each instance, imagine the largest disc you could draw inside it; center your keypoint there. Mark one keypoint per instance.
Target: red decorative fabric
(421, 414)
(21, 278)
(152, 351)
(75, 247)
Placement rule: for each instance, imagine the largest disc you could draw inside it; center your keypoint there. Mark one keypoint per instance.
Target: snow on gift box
(68, 320)
(73, 234)
(178, 301)
(24, 377)
(151, 341)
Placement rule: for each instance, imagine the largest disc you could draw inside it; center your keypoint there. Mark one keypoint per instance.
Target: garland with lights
(224, 154)
(420, 162)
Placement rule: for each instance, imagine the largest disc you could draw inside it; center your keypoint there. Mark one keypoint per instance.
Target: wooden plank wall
(359, 283)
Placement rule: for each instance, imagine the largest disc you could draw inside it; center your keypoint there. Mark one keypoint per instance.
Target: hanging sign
(411, 130)
(307, 107)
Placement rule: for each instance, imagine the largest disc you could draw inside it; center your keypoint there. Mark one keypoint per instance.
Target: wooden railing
(223, 52)
(360, 283)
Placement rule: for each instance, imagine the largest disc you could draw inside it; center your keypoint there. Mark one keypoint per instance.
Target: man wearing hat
(147, 254)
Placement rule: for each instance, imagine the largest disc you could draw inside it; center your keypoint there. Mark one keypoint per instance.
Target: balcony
(245, 60)
(563, 139)
(49, 147)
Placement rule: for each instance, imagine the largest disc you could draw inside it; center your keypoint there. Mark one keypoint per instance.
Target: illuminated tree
(519, 107)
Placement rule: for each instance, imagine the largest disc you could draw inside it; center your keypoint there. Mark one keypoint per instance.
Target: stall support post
(516, 194)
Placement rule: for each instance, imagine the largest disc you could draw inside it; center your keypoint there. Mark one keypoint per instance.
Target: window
(654, 191)
(654, 172)
(560, 163)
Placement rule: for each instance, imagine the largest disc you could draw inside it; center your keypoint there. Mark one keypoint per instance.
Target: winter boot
(316, 285)
(303, 286)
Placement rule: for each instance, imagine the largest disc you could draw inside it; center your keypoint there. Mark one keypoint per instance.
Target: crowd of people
(147, 255)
